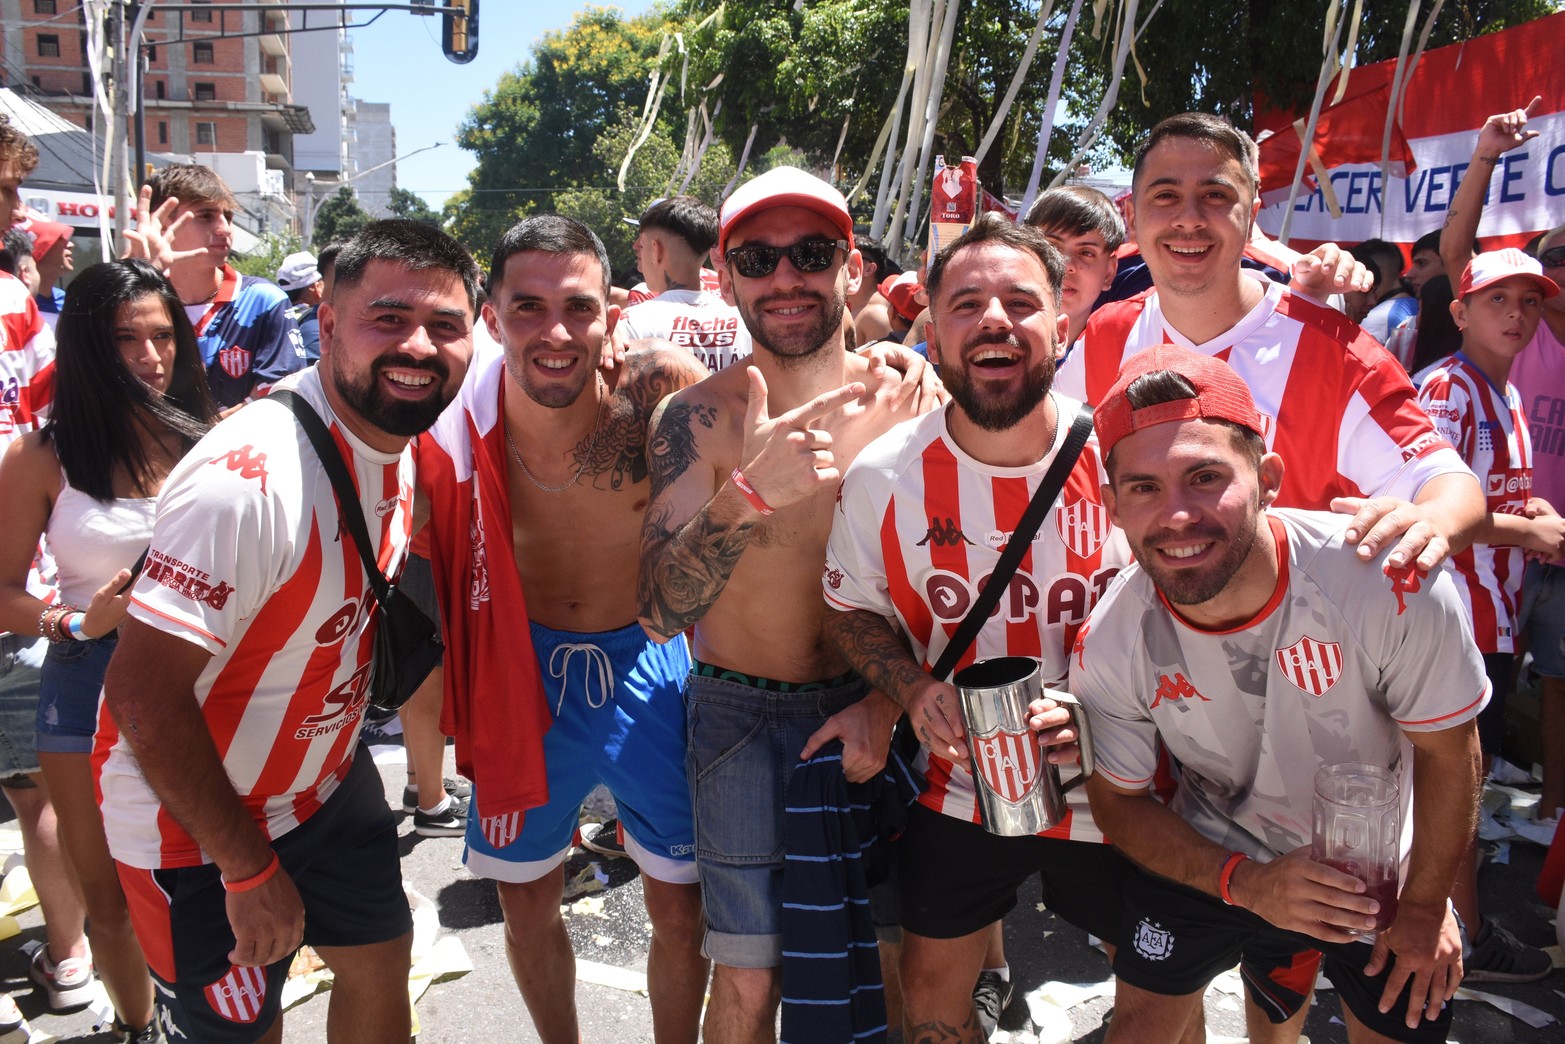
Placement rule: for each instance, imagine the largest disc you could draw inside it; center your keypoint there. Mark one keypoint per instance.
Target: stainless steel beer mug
(1019, 792)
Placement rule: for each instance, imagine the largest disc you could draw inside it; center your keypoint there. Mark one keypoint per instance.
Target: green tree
(340, 217)
(268, 255)
(411, 205)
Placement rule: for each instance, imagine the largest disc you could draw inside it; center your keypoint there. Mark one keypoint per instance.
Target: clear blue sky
(398, 60)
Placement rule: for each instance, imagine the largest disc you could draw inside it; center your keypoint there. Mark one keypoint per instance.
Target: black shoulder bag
(407, 642)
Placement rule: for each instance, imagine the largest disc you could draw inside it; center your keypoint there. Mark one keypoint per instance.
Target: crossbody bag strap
(348, 506)
(1040, 505)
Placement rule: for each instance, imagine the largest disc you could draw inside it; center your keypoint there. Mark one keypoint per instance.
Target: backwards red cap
(1220, 395)
(784, 187)
(45, 234)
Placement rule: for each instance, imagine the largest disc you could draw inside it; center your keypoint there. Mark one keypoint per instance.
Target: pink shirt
(1539, 374)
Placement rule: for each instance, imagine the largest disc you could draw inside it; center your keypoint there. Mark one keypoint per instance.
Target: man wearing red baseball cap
(52, 256)
(745, 467)
(1253, 643)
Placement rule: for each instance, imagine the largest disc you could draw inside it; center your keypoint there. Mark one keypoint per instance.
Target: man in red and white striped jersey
(1335, 404)
(923, 516)
(234, 801)
(26, 341)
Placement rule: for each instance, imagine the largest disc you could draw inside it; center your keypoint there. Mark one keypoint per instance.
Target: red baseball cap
(1487, 269)
(902, 291)
(1220, 394)
(784, 187)
(46, 234)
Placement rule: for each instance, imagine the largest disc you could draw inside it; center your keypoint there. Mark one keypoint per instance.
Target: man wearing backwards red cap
(744, 468)
(1254, 644)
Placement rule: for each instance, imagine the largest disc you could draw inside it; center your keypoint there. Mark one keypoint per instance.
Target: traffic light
(459, 34)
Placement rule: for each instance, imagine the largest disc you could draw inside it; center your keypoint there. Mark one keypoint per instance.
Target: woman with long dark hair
(130, 400)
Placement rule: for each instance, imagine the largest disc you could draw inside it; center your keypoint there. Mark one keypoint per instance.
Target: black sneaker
(1498, 956)
(991, 995)
(450, 822)
(603, 838)
(457, 788)
(151, 1034)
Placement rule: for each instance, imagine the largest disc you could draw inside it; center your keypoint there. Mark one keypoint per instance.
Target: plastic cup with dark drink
(1357, 830)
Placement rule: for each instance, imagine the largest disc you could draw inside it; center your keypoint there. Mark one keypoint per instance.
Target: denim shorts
(744, 745)
(68, 695)
(1543, 617)
(21, 662)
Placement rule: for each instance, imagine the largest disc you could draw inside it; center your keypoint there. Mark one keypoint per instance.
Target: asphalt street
(484, 1006)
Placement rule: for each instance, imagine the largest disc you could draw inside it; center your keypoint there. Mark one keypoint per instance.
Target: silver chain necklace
(585, 457)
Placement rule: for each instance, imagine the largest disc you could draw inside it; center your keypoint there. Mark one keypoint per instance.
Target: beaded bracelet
(749, 493)
(254, 881)
(49, 621)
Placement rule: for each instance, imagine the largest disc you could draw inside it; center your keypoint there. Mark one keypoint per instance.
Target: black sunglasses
(807, 255)
(1554, 257)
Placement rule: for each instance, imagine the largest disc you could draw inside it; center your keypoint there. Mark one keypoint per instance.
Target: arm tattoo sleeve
(877, 651)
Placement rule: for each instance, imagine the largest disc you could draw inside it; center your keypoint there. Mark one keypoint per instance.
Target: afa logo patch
(1153, 941)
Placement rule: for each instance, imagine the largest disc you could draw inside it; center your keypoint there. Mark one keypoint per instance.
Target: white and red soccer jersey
(1337, 407)
(695, 320)
(26, 362)
(1489, 429)
(920, 525)
(1339, 663)
(641, 293)
(249, 561)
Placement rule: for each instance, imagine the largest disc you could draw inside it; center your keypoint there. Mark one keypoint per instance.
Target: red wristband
(1226, 875)
(255, 881)
(749, 493)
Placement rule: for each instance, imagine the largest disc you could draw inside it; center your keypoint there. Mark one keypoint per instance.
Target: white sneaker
(10, 1014)
(68, 983)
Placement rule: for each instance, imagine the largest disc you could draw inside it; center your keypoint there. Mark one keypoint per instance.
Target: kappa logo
(1153, 941)
(1083, 526)
(1405, 580)
(1311, 665)
(944, 533)
(246, 461)
(235, 361)
(240, 995)
(1175, 689)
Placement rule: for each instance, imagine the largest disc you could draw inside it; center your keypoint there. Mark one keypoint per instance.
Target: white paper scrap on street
(615, 978)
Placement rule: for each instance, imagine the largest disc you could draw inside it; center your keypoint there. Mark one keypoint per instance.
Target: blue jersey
(248, 340)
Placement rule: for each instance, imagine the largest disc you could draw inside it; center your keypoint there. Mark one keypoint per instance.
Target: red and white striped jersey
(1337, 407)
(1340, 662)
(920, 525)
(1489, 429)
(26, 361)
(249, 560)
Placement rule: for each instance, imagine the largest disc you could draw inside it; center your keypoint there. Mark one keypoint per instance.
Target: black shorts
(344, 862)
(957, 877)
(1178, 940)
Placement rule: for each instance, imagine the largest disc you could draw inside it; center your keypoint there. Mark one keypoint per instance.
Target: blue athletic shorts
(619, 720)
(1543, 617)
(68, 694)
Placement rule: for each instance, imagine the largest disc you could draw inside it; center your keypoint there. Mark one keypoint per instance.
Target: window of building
(48, 45)
(201, 16)
(206, 134)
(152, 55)
(44, 7)
(206, 92)
(162, 132)
(161, 90)
(201, 53)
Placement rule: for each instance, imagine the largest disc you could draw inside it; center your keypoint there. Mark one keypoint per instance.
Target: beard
(994, 409)
(554, 397)
(1198, 586)
(403, 418)
(799, 342)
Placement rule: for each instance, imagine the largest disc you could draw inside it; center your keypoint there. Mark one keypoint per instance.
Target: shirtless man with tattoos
(546, 454)
(745, 467)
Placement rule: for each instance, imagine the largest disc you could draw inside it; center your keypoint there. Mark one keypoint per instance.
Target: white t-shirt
(919, 522)
(695, 320)
(250, 562)
(1337, 406)
(1334, 668)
